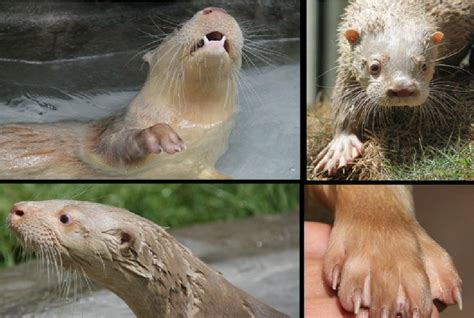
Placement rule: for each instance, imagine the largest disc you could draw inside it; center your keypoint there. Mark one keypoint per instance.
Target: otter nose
(213, 9)
(401, 91)
(17, 211)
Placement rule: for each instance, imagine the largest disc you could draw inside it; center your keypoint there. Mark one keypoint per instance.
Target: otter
(176, 127)
(388, 54)
(136, 259)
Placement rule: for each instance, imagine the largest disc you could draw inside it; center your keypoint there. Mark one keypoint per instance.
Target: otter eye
(424, 67)
(65, 219)
(374, 68)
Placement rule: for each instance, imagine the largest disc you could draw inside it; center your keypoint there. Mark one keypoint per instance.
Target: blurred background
(82, 60)
(321, 50)
(446, 213)
(249, 232)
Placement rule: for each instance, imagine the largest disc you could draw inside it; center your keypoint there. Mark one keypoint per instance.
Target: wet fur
(190, 96)
(135, 258)
(359, 102)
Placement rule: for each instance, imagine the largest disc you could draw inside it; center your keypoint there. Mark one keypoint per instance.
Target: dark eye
(65, 219)
(424, 67)
(178, 27)
(374, 68)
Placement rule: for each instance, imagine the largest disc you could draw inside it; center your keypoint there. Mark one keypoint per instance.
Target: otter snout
(401, 92)
(404, 93)
(17, 212)
(210, 10)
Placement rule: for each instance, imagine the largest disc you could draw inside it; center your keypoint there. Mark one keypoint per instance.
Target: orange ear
(352, 35)
(147, 57)
(437, 37)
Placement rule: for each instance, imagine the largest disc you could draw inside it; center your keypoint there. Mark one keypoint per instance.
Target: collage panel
(149, 250)
(388, 250)
(150, 90)
(389, 90)
(161, 159)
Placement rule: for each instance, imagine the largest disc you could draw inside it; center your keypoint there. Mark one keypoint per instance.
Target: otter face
(211, 38)
(69, 230)
(395, 68)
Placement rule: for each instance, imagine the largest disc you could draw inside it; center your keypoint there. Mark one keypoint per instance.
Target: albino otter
(388, 54)
(133, 257)
(176, 127)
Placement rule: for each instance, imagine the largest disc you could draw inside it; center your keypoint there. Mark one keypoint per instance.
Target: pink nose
(213, 9)
(401, 92)
(17, 212)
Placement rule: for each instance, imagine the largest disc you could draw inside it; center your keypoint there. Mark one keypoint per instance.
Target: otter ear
(148, 56)
(127, 241)
(437, 37)
(352, 35)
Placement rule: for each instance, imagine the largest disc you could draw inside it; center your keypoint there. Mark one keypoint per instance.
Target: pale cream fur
(135, 258)
(176, 127)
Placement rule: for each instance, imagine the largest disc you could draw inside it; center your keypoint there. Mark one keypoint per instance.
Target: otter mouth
(213, 42)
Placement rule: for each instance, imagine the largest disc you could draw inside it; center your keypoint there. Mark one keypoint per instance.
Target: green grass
(453, 163)
(170, 205)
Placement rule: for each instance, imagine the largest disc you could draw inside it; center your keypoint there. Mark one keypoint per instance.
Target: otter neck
(195, 97)
(128, 283)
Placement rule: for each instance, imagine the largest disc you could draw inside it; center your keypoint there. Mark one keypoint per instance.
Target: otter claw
(335, 277)
(341, 152)
(457, 297)
(357, 300)
(416, 313)
(402, 308)
(161, 137)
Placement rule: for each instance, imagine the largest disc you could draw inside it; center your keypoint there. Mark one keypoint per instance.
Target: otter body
(388, 54)
(135, 258)
(176, 127)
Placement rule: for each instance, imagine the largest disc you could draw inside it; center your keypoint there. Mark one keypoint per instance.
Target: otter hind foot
(161, 137)
(341, 152)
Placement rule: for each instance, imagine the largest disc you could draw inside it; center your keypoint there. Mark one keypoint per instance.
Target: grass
(453, 163)
(406, 153)
(170, 205)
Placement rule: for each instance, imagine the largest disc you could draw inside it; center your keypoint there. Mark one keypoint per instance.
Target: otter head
(84, 236)
(209, 43)
(394, 64)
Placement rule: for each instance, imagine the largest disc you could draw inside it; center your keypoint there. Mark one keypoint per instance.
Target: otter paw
(379, 271)
(444, 280)
(161, 137)
(341, 152)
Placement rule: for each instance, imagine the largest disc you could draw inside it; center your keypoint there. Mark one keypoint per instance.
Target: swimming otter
(133, 257)
(388, 54)
(176, 127)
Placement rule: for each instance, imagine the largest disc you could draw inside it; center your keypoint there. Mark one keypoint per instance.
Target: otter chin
(176, 127)
(136, 259)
